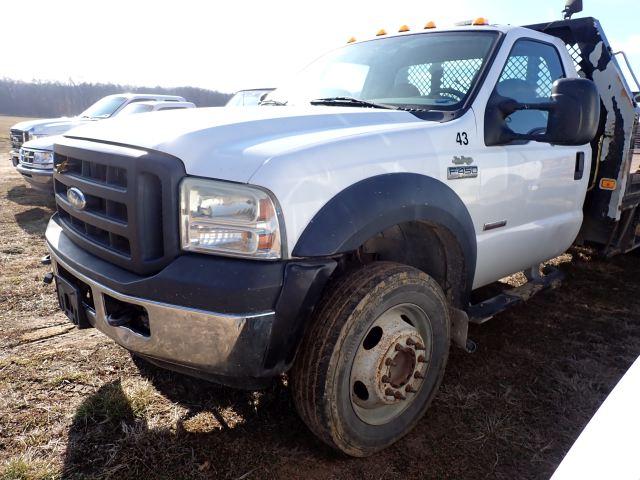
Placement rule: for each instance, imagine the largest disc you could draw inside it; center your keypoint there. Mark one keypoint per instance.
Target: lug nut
(419, 346)
(418, 376)
(410, 389)
(389, 363)
(421, 359)
(399, 396)
(385, 379)
(400, 348)
(389, 392)
(411, 342)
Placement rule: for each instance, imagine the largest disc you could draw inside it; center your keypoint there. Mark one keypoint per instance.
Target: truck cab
(341, 232)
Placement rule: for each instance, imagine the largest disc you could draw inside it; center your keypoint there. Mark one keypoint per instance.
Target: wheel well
(426, 246)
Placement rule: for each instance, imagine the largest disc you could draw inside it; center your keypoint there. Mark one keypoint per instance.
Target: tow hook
(48, 278)
(46, 260)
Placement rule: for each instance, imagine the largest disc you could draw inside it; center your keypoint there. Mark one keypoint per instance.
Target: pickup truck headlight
(43, 158)
(35, 136)
(228, 219)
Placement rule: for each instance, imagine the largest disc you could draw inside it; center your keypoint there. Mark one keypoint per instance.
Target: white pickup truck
(341, 232)
(35, 160)
(37, 169)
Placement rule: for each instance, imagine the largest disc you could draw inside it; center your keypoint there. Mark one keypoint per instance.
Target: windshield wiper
(273, 102)
(350, 101)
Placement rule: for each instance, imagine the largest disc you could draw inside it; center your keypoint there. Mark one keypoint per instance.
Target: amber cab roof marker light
(351, 39)
(381, 32)
(480, 21)
(404, 28)
(429, 25)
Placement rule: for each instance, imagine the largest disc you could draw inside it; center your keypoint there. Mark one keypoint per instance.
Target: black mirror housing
(574, 115)
(571, 7)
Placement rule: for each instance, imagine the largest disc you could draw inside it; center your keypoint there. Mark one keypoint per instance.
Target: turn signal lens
(480, 21)
(429, 25)
(382, 31)
(351, 40)
(404, 28)
(608, 184)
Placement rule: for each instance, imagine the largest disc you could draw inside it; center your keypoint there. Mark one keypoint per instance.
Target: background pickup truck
(35, 156)
(106, 107)
(345, 232)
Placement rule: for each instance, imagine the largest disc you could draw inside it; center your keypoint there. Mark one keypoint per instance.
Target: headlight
(228, 219)
(43, 158)
(35, 136)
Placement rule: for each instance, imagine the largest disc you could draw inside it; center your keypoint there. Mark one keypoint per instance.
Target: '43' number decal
(462, 138)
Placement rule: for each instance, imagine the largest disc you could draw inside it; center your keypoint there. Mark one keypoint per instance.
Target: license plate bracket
(70, 302)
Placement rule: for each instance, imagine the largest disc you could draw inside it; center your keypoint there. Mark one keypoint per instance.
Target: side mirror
(573, 115)
(571, 7)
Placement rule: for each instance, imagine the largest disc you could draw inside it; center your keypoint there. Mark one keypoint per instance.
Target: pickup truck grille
(130, 215)
(26, 157)
(18, 137)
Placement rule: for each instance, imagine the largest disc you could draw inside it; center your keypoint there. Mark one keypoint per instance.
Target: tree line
(57, 99)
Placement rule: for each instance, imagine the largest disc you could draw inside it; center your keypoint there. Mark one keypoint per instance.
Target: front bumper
(39, 178)
(15, 157)
(233, 348)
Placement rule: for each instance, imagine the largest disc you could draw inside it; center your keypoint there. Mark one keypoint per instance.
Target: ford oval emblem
(76, 198)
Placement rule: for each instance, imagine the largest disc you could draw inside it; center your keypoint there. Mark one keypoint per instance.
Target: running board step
(483, 311)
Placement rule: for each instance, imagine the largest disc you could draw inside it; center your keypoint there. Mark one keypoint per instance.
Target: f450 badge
(454, 173)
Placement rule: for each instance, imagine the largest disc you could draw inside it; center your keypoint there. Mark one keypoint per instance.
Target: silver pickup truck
(35, 163)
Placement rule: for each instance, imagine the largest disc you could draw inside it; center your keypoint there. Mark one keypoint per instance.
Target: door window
(527, 77)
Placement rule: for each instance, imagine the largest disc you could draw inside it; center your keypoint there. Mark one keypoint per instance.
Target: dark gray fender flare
(370, 206)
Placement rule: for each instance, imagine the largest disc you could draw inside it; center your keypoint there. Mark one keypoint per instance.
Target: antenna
(571, 7)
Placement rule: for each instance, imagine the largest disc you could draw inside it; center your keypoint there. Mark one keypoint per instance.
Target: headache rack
(611, 210)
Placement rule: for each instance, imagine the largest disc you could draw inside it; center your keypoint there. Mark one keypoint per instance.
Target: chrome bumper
(194, 341)
(39, 178)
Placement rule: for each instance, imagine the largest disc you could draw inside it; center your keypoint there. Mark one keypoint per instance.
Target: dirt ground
(75, 405)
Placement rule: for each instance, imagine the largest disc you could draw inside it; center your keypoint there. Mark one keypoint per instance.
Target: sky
(230, 45)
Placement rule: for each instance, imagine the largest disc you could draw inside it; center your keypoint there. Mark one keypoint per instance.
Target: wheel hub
(389, 366)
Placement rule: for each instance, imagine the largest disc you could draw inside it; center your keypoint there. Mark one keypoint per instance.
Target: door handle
(579, 171)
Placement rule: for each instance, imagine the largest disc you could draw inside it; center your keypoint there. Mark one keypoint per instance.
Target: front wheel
(373, 357)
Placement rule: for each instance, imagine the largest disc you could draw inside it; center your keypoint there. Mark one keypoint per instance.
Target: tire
(339, 350)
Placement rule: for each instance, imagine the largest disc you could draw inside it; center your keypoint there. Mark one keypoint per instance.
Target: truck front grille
(26, 157)
(129, 216)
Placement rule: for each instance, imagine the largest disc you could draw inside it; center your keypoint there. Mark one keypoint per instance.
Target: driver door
(532, 203)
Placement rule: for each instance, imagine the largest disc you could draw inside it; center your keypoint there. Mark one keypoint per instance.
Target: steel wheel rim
(390, 364)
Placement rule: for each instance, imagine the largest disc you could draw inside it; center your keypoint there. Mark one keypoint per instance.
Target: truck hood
(50, 126)
(232, 143)
(45, 143)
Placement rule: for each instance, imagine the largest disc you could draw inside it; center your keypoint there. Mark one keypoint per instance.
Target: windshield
(136, 108)
(433, 71)
(247, 98)
(104, 108)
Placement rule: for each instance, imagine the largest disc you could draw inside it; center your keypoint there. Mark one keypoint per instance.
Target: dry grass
(74, 405)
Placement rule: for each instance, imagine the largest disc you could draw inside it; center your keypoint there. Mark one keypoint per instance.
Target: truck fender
(372, 205)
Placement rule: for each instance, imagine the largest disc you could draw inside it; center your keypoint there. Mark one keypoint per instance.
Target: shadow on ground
(33, 221)
(218, 434)
(24, 195)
